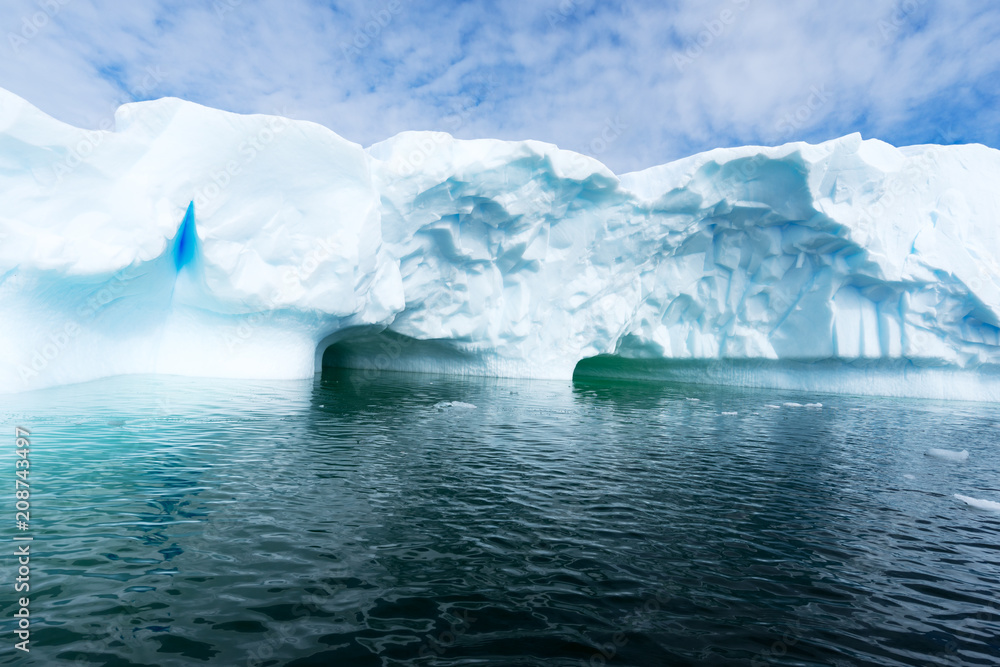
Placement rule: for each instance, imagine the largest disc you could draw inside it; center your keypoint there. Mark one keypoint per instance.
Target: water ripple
(202, 522)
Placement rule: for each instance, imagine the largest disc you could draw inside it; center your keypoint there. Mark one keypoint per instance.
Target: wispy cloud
(673, 78)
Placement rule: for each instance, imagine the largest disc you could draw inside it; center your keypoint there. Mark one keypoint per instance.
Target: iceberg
(988, 505)
(948, 454)
(443, 405)
(188, 240)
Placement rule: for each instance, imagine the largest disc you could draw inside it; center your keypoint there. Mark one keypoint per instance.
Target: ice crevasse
(187, 240)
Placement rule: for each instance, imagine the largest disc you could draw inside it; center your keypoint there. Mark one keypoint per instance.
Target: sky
(631, 83)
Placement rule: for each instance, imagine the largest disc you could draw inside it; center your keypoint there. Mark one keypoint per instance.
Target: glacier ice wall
(194, 241)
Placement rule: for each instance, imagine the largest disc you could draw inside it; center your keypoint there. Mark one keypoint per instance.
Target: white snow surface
(846, 266)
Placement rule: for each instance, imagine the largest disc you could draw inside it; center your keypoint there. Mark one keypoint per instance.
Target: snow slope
(199, 242)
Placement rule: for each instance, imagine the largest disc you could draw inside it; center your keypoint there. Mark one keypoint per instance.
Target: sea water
(397, 519)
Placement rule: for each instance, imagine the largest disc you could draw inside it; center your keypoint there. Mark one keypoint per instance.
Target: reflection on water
(359, 521)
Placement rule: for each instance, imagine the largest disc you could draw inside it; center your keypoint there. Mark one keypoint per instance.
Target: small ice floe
(773, 406)
(793, 405)
(947, 454)
(454, 404)
(729, 414)
(693, 400)
(813, 405)
(988, 505)
(908, 477)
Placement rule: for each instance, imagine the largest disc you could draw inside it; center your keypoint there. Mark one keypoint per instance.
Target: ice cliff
(193, 241)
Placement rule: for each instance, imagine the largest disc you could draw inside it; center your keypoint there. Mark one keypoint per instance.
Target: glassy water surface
(351, 521)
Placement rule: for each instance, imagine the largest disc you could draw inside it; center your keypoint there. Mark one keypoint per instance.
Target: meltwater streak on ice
(194, 241)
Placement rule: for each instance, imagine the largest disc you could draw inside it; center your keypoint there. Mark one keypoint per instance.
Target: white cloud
(559, 70)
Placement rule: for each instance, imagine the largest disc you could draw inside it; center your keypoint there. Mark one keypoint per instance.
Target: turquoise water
(358, 521)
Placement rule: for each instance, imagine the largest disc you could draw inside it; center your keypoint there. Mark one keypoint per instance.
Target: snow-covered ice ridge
(192, 241)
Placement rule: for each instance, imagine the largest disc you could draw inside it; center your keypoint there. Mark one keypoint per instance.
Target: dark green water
(358, 522)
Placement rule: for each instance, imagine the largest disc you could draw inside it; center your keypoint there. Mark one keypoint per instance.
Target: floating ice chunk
(773, 406)
(988, 505)
(729, 414)
(813, 405)
(454, 404)
(947, 454)
(693, 400)
(793, 405)
(908, 477)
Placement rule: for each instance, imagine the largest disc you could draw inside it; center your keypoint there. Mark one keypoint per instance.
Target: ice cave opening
(373, 350)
